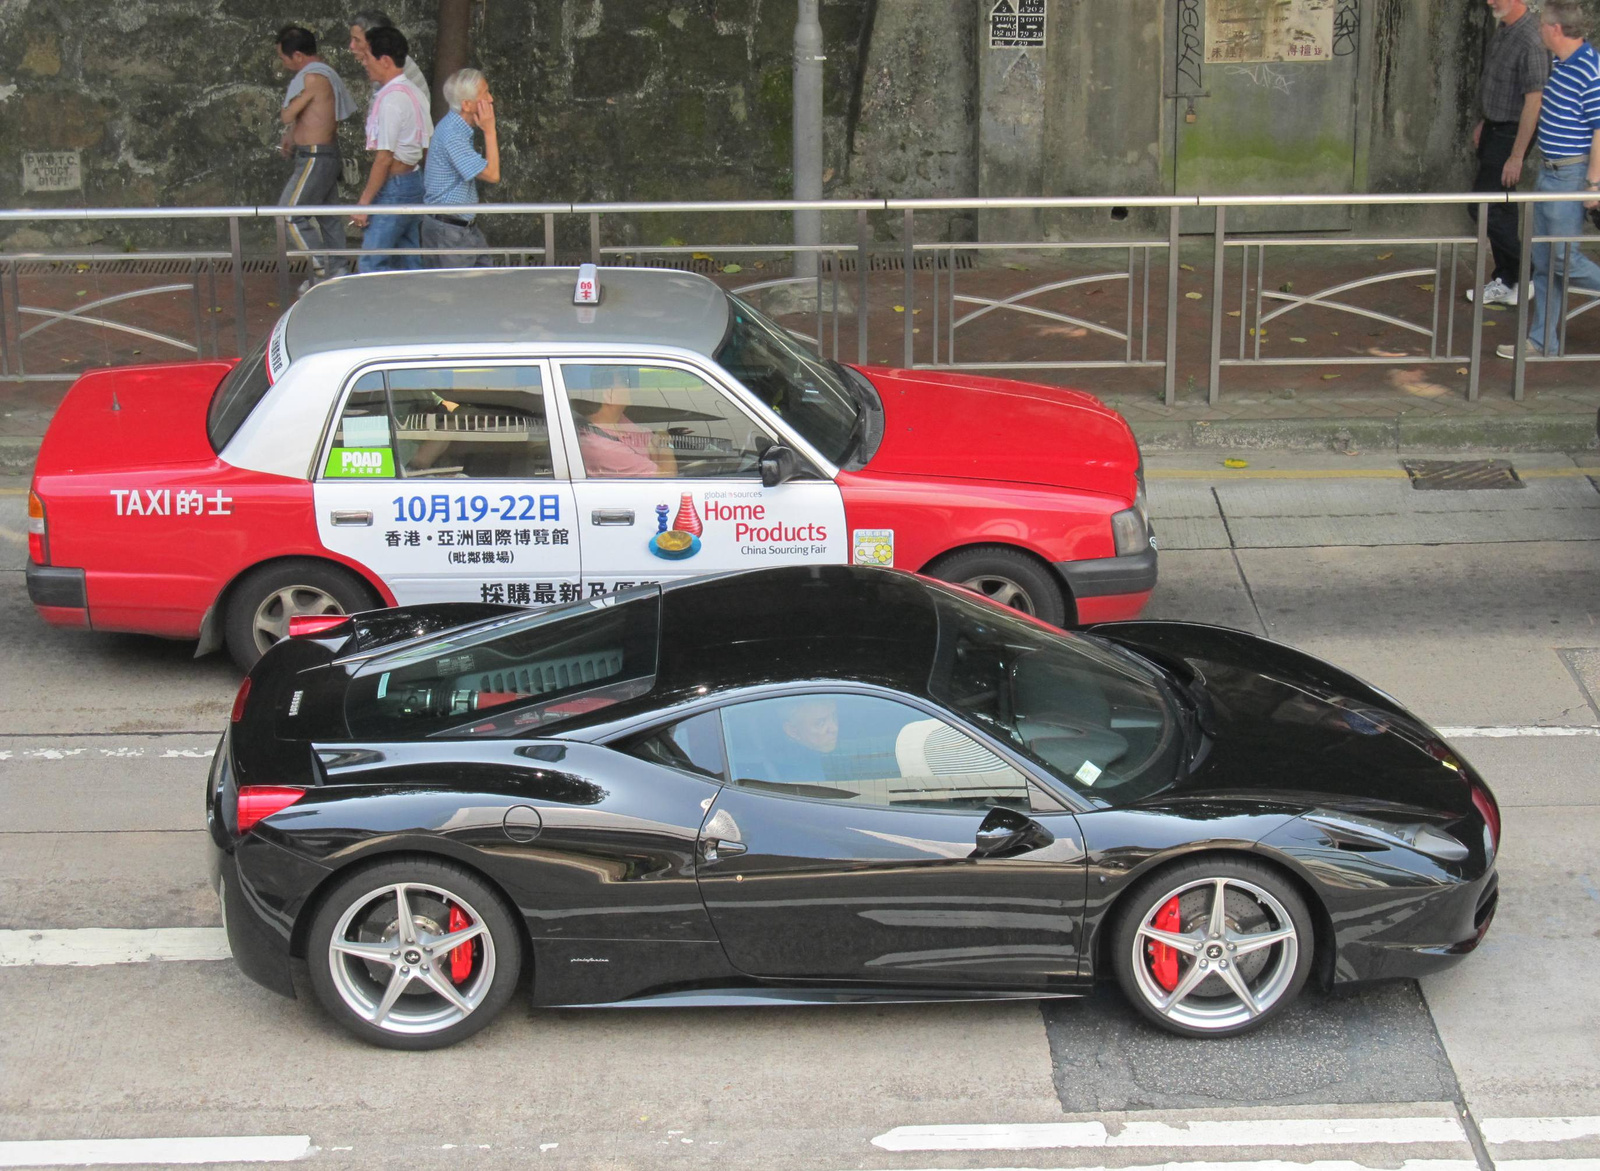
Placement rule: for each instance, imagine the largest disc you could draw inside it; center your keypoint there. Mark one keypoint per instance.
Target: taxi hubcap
(272, 616)
(1002, 590)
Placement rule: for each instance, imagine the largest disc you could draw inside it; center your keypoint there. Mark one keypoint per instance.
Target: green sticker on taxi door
(375, 463)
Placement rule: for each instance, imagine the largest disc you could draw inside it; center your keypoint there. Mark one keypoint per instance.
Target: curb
(1401, 433)
(17, 453)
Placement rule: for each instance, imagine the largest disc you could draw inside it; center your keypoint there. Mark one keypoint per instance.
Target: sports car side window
(458, 422)
(863, 750)
(693, 745)
(659, 422)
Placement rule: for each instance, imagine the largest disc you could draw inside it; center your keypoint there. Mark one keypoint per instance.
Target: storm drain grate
(1461, 475)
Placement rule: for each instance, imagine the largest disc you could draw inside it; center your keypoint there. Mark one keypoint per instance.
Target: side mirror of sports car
(1005, 832)
(778, 464)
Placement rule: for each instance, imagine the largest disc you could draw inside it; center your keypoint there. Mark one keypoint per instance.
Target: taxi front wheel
(263, 601)
(1006, 576)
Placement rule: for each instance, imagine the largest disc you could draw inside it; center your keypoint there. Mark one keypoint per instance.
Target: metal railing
(1127, 266)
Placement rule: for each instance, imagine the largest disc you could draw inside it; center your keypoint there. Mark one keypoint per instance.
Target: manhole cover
(1461, 475)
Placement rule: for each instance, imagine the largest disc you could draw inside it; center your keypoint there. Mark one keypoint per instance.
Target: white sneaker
(1497, 292)
(1509, 352)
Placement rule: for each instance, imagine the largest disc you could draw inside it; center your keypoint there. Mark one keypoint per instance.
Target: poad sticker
(873, 546)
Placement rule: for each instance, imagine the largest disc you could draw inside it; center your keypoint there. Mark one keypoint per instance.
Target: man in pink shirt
(612, 445)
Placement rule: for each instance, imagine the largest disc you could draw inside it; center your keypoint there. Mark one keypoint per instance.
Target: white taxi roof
(507, 306)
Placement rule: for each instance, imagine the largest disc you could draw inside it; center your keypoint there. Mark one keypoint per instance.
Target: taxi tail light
(259, 801)
(315, 625)
(238, 700)
(38, 538)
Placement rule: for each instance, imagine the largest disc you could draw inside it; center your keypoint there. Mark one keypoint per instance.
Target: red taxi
(510, 436)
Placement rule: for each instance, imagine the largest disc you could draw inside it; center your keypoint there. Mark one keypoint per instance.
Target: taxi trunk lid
(132, 417)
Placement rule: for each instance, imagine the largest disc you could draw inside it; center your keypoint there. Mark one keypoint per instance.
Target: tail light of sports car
(38, 536)
(239, 701)
(261, 801)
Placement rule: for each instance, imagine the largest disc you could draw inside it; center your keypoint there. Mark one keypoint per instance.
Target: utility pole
(808, 61)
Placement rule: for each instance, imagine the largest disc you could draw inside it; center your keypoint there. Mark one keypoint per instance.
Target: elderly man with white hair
(454, 167)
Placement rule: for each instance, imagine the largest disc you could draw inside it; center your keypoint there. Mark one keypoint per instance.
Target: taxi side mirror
(778, 464)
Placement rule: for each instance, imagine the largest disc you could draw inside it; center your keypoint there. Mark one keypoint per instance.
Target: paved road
(1481, 609)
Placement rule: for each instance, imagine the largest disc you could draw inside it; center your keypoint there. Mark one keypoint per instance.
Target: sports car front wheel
(413, 954)
(1215, 947)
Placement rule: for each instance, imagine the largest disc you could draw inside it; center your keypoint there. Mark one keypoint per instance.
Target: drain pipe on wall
(808, 59)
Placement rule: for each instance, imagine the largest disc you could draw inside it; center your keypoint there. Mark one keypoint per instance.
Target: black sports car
(821, 785)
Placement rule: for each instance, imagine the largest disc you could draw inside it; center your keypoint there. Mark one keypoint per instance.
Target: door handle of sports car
(611, 516)
(342, 518)
(1005, 833)
(713, 848)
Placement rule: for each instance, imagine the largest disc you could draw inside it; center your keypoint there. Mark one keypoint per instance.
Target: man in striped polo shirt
(1569, 140)
(454, 168)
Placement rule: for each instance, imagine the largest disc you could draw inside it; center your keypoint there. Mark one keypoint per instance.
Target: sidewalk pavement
(1409, 405)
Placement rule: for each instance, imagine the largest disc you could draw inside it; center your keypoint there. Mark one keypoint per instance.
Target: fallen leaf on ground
(1490, 321)
(1187, 267)
(1014, 266)
(673, 242)
(82, 293)
(914, 312)
(899, 308)
(1377, 353)
(702, 256)
(1426, 288)
(1298, 340)
(1461, 370)
(761, 264)
(1192, 296)
(1331, 377)
(82, 267)
(137, 352)
(1061, 331)
(1235, 463)
(730, 268)
(1286, 287)
(272, 304)
(1336, 333)
(1233, 313)
(1385, 255)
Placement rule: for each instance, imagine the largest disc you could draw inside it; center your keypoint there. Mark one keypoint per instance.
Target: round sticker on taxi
(357, 462)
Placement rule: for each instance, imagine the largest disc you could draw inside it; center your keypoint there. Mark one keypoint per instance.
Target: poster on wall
(1017, 24)
(1245, 31)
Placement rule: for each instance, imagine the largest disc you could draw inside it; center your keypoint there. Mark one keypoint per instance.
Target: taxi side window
(638, 421)
(459, 422)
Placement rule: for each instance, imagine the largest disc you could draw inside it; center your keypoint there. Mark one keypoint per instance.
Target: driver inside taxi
(613, 444)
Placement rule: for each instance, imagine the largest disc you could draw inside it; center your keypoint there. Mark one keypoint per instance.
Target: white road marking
(1538, 1130)
(1284, 1165)
(114, 1152)
(1265, 1132)
(84, 947)
(1508, 732)
(121, 752)
(1548, 1164)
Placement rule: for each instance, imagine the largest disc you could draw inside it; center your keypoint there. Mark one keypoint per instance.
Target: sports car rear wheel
(1006, 576)
(1213, 947)
(414, 954)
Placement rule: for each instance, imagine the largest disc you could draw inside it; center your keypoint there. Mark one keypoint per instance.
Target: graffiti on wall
(1346, 27)
(1191, 45)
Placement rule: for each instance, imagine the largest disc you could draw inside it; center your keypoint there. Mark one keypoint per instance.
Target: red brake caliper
(1163, 957)
(461, 954)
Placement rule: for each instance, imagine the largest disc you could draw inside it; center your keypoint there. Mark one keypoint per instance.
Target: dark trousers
(1494, 148)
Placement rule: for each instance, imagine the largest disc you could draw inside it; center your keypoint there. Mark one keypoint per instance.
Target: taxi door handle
(611, 516)
(350, 518)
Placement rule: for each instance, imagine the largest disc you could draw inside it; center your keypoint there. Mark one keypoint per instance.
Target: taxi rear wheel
(263, 601)
(1007, 576)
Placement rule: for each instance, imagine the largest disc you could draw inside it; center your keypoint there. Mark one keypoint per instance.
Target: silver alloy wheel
(271, 622)
(398, 982)
(998, 588)
(1227, 976)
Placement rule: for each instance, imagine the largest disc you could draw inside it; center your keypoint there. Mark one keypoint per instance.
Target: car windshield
(1098, 721)
(514, 677)
(799, 387)
(237, 395)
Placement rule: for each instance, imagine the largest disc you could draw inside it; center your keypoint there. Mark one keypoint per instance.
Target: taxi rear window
(237, 395)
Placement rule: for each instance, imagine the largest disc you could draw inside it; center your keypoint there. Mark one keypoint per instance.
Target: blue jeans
(393, 231)
(1558, 219)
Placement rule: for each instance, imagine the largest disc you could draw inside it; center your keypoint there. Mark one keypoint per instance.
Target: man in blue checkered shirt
(454, 167)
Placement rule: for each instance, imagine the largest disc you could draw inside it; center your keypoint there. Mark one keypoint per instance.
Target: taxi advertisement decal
(873, 546)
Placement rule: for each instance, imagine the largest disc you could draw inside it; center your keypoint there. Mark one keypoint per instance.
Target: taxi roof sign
(587, 290)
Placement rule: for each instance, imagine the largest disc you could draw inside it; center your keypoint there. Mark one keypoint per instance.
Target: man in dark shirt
(1515, 69)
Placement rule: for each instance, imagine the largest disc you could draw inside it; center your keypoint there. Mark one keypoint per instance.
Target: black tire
(1256, 898)
(354, 989)
(320, 587)
(1007, 576)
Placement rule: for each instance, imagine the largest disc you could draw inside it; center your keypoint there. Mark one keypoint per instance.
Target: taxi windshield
(799, 387)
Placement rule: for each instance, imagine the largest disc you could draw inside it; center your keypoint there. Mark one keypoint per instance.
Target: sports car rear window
(508, 678)
(237, 395)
